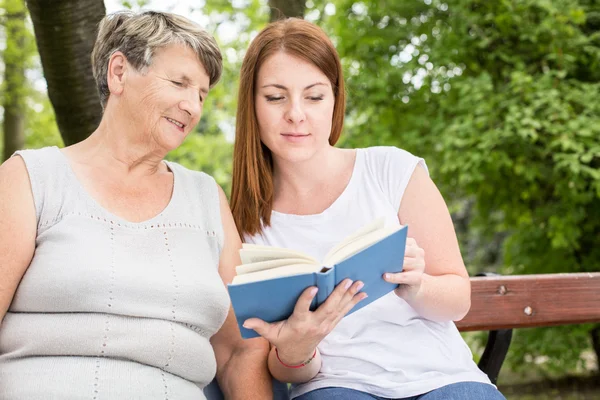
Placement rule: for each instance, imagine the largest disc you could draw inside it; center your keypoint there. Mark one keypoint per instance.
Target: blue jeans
(455, 391)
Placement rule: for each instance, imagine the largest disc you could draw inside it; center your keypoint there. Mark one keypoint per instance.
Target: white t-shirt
(386, 348)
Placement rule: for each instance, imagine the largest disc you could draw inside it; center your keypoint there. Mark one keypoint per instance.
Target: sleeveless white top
(111, 309)
(386, 348)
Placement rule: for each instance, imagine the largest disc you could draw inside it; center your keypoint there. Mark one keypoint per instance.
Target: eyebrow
(275, 85)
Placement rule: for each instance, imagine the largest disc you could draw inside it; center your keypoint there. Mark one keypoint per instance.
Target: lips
(296, 138)
(180, 125)
(294, 134)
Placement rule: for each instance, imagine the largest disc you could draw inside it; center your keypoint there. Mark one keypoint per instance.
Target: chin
(171, 142)
(297, 155)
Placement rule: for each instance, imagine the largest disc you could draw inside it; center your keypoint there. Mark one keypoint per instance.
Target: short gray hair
(139, 35)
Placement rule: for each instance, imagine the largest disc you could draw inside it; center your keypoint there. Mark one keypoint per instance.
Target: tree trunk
(14, 130)
(65, 32)
(281, 9)
(15, 58)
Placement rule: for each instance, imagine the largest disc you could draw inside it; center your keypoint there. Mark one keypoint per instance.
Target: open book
(270, 279)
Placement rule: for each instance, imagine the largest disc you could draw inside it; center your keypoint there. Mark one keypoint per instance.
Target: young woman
(292, 188)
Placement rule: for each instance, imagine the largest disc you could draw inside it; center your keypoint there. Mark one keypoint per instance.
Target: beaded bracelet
(299, 365)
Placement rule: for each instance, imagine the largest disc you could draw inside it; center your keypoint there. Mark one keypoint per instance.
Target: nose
(295, 112)
(191, 105)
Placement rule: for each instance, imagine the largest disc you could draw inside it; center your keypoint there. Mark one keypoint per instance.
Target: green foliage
(135, 4)
(40, 124)
(41, 129)
(503, 99)
(19, 49)
(207, 153)
(555, 351)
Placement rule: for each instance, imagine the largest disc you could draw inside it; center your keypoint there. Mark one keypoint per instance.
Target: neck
(300, 178)
(117, 145)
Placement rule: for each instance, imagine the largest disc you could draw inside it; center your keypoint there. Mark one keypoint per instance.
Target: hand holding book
(300, 334)
(270, 280)
(410, 279)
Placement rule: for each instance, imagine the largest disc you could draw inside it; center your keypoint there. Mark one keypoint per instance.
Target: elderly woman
(113, 261)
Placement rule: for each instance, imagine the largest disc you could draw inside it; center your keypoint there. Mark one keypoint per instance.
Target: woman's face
(166, 99)
(294, 106)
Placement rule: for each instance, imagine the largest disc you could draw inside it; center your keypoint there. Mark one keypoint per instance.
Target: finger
(336, 296)
(414, 251)
(351, 293)
(349, 306)
(404, 278)
(302, 306)
(330, 307)
(413, 264)
(354, 301)
(393, 278)
(411, 251)
(412, 278)
(261, 327)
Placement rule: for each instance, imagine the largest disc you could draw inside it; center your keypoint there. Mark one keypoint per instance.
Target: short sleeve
(392, 168)
(34, 164)
(51, 183)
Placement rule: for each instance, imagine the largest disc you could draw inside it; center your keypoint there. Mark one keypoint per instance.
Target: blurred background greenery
(501, 97)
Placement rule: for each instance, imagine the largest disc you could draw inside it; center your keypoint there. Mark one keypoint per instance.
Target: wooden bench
(500, 304)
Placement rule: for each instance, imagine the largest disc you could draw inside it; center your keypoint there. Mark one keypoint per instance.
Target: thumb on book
(261, 327)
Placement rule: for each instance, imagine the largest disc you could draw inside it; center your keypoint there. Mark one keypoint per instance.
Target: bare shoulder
(14, 181)
(420, 188)
(222, 196)
(17, 208)
(229, 257)
(420, 174)
(14, 165)
(423, 208)
(226, 215)
(18, 228)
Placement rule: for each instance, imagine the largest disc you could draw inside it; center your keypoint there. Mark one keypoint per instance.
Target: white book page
(262, 265)
(359, 244)
(375, 225)
(254, 253)
(366, 229)
(288, 270)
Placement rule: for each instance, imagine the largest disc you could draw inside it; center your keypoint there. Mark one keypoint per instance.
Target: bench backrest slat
(520, 301)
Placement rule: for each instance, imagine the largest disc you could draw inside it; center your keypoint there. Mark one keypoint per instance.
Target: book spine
(326, 284)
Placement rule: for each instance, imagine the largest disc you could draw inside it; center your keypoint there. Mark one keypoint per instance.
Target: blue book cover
(274, 299)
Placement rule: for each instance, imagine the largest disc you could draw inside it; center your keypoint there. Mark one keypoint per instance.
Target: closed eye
(316, 98)
(176, 83)
(274, 98)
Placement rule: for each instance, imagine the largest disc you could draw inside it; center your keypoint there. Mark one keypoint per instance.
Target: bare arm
(241, 364)
(294, 375)
(440, 290)
(17, 230)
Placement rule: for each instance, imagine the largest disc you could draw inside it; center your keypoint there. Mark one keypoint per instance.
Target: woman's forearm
(294, 375)
(441, 298)
(246, 375)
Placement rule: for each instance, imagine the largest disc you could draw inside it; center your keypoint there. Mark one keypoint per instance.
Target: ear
(117, 72)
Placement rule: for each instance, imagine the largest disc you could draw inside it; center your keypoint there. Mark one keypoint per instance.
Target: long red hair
(252, 185)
